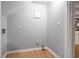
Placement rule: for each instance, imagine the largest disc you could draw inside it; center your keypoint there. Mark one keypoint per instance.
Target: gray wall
(3, 36)
(56, 12)
(24, 30)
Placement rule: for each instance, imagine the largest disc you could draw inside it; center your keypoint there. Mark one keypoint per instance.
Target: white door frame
(70, 30)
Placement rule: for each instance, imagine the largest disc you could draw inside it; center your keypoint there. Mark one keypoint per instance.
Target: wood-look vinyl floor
(77, 51)
(31, 54)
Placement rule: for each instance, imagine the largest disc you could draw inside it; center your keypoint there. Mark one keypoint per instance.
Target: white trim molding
(31, 49)
(53, 53)
(23, 50)
(5, 55)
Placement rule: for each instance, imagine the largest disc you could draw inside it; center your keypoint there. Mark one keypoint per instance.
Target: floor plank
(31, 54)
(77, 51)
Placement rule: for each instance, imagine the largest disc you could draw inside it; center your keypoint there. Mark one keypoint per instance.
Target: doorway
(76, 29)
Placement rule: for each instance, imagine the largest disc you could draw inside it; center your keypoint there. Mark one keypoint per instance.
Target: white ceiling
(9, 7)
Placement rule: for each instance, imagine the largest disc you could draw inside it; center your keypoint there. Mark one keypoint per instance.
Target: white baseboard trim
(55, 55)
(23, 50)
(5, 55)
(31, 49)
